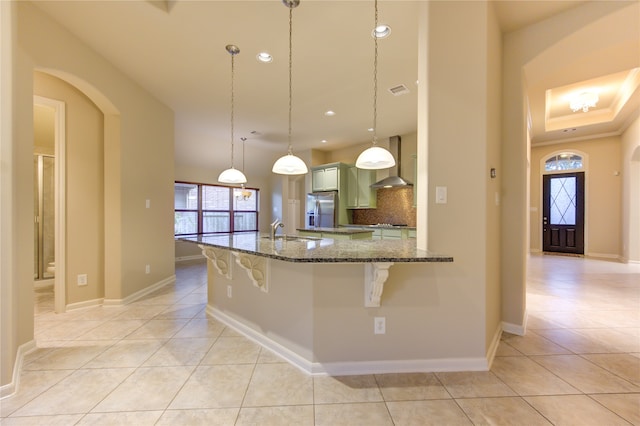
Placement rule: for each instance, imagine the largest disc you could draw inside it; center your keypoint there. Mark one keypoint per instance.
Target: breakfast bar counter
(292, 248)
(319, 302)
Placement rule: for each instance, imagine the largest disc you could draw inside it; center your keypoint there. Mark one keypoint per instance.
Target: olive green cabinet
(325, 178)
(360, 195)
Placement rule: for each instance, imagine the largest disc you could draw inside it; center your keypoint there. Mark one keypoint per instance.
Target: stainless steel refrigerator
(322, 210)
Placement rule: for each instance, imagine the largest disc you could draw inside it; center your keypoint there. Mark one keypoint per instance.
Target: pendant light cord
(232, 104)
(290, 73)
(375, 77)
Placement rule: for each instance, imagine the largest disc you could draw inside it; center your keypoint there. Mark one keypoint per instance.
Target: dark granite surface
(323, 250)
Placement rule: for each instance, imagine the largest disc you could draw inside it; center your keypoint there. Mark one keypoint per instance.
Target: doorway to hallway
(56, 263)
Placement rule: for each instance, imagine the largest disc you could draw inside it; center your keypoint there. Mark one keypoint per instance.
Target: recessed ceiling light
(330, 113)
(264, 57)
(381, 31)
(323, 141)
(370, 129)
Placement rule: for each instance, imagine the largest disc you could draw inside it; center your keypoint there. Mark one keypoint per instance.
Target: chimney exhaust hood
(394, 180)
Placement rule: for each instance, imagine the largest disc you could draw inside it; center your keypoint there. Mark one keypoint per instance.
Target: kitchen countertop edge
(333, 252)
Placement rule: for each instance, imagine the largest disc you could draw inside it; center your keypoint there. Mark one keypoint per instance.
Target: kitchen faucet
(274, 227)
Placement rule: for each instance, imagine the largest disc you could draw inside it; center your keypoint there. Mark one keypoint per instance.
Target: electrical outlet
(379, 326)
(147, 269)
(82, 279)
(229, 292)
(147, 203)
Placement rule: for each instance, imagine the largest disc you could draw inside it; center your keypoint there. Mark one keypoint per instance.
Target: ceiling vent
(398, 90)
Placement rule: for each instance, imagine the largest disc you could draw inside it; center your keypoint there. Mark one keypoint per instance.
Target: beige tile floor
(161, 361)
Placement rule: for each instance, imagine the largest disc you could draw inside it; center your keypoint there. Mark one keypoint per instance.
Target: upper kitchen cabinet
(326, 177)
(360, 195)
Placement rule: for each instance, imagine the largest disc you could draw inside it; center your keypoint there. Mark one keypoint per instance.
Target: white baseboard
(139, 294)
(351, 367)
(11, 388)
(285, 353)
(535, 250)
(604, 256)
(84, 304)
(518, 329)
(493, 347)
(401, 366)
(194, 257)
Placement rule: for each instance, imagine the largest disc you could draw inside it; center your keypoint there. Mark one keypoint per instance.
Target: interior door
(563, 213)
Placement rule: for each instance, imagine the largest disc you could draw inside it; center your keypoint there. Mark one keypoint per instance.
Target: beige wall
(603, 194)
(492, 194)
(458, 153)
(138, 165)
(630, 141)
(44, 130)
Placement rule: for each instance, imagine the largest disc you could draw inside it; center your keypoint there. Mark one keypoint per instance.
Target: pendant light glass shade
(231, 175)
(375, 158)
(289, 164)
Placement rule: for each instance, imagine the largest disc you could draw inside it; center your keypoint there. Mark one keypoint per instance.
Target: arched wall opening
(539, 52)
(83, 170)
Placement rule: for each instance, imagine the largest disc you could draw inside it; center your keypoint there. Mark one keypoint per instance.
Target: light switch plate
(441, 195)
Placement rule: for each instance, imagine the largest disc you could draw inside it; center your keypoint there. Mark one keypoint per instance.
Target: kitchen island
(386, 232)
(313, 301)
(338, 233)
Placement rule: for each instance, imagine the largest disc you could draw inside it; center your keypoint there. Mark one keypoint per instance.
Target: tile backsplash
(394, 206)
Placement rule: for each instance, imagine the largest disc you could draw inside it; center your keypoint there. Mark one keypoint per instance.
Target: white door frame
(60, 199)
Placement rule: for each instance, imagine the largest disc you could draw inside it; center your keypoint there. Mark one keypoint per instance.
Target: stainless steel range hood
(394, 180)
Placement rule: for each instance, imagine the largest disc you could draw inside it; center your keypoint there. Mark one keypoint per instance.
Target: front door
(563, 213)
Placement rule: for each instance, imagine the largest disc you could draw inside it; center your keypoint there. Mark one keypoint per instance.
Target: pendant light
(375, 157)
(232, 175)
(289, 164)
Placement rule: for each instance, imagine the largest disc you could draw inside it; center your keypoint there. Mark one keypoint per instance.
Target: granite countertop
(316, 250)
(337, 230)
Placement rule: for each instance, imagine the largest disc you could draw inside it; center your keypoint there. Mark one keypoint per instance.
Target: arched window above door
(563, 161)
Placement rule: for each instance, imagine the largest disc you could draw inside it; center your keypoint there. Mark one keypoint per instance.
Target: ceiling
(176, 50)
